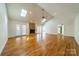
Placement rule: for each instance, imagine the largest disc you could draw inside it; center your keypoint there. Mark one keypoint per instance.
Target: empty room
(39, 29)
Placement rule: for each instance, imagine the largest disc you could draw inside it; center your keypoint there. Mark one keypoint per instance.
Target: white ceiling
(14, 11)
(65, 11)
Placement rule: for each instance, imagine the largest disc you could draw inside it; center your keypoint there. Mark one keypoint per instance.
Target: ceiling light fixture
(23, 12)
(43, 20)
(43, 17)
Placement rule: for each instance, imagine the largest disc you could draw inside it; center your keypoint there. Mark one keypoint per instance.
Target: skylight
(23, 13)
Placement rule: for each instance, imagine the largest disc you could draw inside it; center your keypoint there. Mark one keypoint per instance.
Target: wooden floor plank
(37, 45)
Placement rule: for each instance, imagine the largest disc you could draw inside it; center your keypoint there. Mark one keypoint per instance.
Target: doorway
(32, 28)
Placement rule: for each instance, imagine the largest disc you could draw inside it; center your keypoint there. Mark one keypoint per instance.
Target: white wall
(12, 27)
(51, 26)
(3, 26)
(77, 29)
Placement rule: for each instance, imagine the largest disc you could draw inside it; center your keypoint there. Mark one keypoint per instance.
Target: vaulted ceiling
(63, 11)
(34, 12)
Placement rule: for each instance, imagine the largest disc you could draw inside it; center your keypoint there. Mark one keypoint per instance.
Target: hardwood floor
(37, 45)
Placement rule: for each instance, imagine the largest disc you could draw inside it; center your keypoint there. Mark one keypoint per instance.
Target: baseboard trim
(3, 48)
(17, 36)
(60, 34)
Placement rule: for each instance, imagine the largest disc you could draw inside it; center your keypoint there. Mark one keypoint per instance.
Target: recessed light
(23, 12)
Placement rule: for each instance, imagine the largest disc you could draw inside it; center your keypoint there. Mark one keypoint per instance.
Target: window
(61, 29)
(20, 29)
(23, 28)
